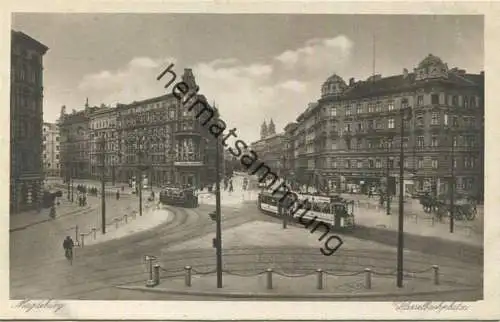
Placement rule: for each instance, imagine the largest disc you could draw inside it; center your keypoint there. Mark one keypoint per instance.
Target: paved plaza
(112, 266)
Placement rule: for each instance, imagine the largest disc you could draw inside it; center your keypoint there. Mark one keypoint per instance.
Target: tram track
(103, 263)
(116, 262)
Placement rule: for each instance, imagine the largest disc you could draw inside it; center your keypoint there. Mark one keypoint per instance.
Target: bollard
(116, 223)
(319, 275)
(94, 233)
(82, 237)
(150, 281)
(125, 216)
(156, 274)
(187, 276)
(368, 278)
(269, 272)
(436, 274)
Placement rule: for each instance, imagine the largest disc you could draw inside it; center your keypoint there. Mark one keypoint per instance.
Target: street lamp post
(72, 167)
(282, 205)
(404, 109)
(218, 232)
(387, 190)
(452, 185)
(103, 186)
(68, 179)
(142, 167)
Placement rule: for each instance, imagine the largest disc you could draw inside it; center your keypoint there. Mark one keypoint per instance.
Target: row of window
(377, 107)
(45, 156)
(26, 74)
(171, 104)
(466, 141)
(390, 123)
(466, 163)
(48, 165)
(102, 124)
(45, 138)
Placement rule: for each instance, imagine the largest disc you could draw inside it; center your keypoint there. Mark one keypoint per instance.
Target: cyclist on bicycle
(68, 246)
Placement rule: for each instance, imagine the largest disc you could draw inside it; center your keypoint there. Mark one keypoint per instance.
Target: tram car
(337, 213)
(175, 196)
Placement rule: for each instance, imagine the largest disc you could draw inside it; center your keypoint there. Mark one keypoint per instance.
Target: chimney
(351, 81)
(405, 73)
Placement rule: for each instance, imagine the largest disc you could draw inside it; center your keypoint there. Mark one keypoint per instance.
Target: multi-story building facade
(75, 142)
(26, 119)
(270, 151)
(303, 148)
(51, 150)
(103, 143)
(352, 134)
(289, 149)
(165, 136)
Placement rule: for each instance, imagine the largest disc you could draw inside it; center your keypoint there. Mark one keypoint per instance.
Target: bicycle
(69, 255)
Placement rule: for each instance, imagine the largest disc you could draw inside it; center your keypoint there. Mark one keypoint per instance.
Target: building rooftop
(19, 36)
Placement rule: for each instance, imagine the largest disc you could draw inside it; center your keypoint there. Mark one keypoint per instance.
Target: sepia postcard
(199, 160)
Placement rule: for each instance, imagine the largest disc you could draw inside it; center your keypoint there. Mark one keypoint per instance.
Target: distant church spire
(87, 102)
(271, 129)
(263, 130)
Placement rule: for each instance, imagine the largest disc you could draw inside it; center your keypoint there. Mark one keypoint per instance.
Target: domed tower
(271, 129)
(431, 67)
(333, 86)
(263, 130)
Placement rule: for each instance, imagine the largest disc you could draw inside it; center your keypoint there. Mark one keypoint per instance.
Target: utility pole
(139, 182)
(68, 176)
(142, 167)
(404, 108)
(72, 183)
(218, 232)
(387, 190)
(452, 185)
(103, 186)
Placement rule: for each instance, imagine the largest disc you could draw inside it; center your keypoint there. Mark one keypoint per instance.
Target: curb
(173, 212)
(287, 295)
(11, 230)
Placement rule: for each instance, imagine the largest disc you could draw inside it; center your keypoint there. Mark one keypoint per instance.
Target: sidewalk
(30, 218)
(468, 232)
(108, 188)
(236, 197)
(129, 224)
(26, 245)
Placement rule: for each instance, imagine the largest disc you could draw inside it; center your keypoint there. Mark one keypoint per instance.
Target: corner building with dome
(350, 137)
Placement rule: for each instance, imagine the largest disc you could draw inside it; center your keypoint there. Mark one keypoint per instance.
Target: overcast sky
(254, 67)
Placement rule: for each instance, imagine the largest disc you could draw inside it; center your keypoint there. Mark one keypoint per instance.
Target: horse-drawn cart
(463, 208)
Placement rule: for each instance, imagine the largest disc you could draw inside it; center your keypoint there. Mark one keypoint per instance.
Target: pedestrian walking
(231, 189)
(117, 194)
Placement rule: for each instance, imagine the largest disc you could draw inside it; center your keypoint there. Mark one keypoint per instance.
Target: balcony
(189, 128)
(188, 161)
(187, 132)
